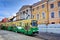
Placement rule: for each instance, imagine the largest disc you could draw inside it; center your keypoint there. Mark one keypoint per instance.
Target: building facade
(54, 11)
(40, 12)
(18, 16)
(44, 11)
(24, 13)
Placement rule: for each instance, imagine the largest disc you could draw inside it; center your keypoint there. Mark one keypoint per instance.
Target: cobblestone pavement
(7, 35)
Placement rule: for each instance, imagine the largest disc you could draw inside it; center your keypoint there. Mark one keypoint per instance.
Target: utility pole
(47, 16)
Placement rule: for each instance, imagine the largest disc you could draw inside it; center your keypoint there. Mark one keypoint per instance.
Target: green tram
(28, 27)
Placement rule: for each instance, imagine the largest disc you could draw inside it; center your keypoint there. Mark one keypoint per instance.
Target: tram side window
(34, 23)
(20, 23)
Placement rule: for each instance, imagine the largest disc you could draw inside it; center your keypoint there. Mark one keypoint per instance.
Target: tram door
(27, 26)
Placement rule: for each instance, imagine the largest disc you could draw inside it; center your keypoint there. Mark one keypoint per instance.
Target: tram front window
(34, 23)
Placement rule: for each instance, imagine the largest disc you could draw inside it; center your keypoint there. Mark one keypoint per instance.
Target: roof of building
(38, 3)
(24, 7)
(35, 4)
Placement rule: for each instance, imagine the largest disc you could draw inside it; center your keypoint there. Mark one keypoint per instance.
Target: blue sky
(10, 7)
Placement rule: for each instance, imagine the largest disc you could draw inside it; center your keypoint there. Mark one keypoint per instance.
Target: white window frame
(44, 15)
(58, 14)
(37, 17)
(51, 13)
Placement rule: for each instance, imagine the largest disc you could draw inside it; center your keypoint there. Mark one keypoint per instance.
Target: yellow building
(54, 11)
(24, 13)
(44, 11)
(40, 12)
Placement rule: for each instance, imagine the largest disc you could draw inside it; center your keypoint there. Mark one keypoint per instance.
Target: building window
(32, 16)
(23, 12)
(43, 6)
(59, 22)
(37, 8)
(26, 10)
(53, 23)
(20, 12)
(37, 16)
(52, 15)
(43, 15)
(51, 5)
(59, 14)
(59, 4)
(33, 9)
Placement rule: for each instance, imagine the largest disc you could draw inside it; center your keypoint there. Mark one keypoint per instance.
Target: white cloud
(1, 17)
(5, 14)
(14, 14)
